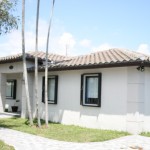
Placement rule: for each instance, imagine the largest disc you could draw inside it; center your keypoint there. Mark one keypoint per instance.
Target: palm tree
(36, 67)
(46, 66)
(24, 64)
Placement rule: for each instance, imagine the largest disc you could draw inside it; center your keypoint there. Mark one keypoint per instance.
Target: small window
(91, 89)
(11, 89)
(52, 89)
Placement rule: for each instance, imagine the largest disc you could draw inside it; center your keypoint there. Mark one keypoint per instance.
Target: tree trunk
(36, 67)
(24, 64)
(46, 66)
(46, 95)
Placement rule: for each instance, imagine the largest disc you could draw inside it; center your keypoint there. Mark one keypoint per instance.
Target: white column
(31, 91)
(23, 101)
(24, 112)
(2, 92)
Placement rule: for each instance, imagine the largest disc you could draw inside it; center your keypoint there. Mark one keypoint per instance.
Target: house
(106, 89)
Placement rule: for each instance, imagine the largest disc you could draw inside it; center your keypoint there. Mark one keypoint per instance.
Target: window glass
(8, 89)
(11, 89)
(51, 89)
(90, 89)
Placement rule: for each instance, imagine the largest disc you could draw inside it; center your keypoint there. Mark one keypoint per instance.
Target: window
(91, 89)
(11, 89)
(52, 89)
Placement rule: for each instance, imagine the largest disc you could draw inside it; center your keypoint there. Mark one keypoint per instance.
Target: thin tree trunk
(46, 66)
(36, 67)
(24, 64)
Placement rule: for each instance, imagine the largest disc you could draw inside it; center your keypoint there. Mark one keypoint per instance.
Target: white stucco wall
(111, 114)
(125, 97)
(135, 100)
(146, 126)
(11, 102)
(17, 67)
(15, 73)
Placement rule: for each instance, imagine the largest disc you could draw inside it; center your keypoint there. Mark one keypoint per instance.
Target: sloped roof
(108, 58)
(31, 56)
(51, 56)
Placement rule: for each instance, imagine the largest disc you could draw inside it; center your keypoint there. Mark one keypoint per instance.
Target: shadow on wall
(69, 112)
(83, 117)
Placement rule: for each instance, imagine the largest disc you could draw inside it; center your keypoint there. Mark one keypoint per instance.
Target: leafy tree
(8, 20)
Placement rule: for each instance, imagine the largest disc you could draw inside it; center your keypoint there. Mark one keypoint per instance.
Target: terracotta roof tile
(112, 56)
(31, 55)
(109, 57)
(123, 56)
(82, 60)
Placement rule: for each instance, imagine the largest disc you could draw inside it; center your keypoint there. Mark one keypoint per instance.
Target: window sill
(50, 103)
(10, 98)
(90, 105)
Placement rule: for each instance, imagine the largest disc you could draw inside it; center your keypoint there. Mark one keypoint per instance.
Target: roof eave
(93, 66)
(19, 59)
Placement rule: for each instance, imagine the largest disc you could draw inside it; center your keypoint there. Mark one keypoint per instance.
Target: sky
(83, 26)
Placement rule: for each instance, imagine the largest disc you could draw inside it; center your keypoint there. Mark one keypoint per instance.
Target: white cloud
(67, 39)
(102, 47)
(85, 43)
(12, 42)
(144, 48)
(59, 39)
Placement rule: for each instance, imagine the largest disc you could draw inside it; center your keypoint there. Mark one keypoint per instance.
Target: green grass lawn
(62, 132)
(145, 134)
(4, 146)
